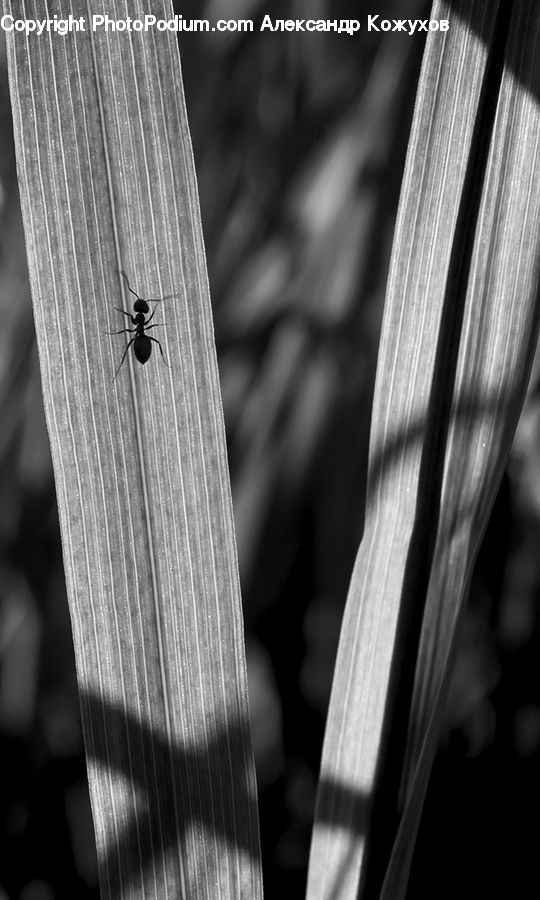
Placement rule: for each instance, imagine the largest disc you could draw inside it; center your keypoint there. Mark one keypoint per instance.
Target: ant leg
(161, 299)
(161, 349)
(157, 325)
(123, 358)
(122, 331)
(124, 276)
(149, 319)
(125, 313)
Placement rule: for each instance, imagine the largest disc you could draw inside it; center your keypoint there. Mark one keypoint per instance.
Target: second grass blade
(459, 332)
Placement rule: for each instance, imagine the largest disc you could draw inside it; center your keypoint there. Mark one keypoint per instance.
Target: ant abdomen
(142, 348)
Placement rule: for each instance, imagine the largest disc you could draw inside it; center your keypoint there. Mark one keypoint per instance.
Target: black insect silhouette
(142, 342)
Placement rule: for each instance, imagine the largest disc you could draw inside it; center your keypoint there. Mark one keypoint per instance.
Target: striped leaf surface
(107, 183)
(459, 333)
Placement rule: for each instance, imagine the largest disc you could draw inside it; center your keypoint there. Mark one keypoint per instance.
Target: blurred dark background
(299, 143)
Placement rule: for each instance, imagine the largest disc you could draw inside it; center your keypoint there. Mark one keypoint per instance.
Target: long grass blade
(108, 184)
(459, 333)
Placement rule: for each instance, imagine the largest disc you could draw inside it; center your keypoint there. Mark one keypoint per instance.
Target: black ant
(142, 346)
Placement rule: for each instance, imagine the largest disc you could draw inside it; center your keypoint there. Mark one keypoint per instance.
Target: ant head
(141, 306)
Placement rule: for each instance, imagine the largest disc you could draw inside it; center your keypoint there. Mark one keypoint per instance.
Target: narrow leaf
(108, 184)
(459, 333)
